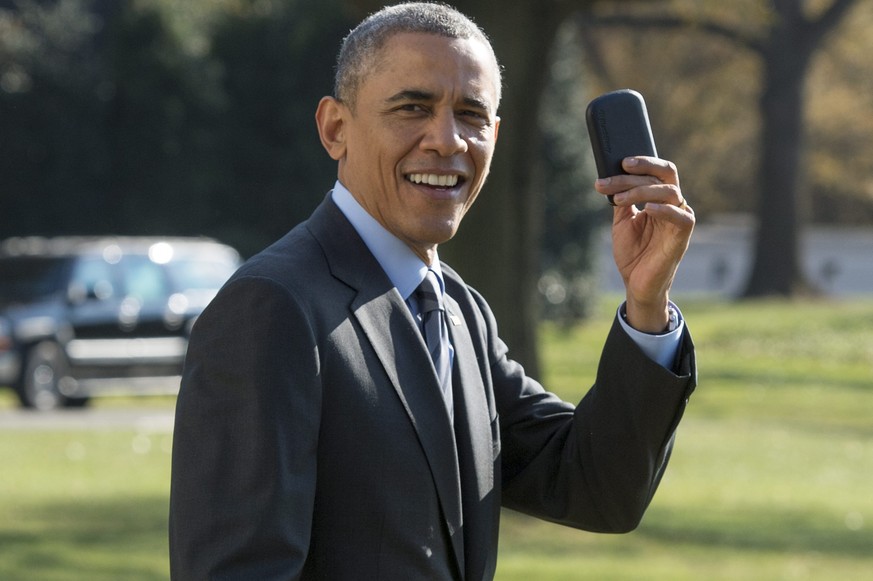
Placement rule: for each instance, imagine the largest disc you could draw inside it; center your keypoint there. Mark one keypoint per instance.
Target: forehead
(436, 63)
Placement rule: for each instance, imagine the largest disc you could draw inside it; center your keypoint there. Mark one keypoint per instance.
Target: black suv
(81, 317)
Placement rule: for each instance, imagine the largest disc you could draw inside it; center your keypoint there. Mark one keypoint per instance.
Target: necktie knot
(430, 297)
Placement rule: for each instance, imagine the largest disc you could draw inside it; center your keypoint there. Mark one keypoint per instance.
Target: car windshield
(28, 278)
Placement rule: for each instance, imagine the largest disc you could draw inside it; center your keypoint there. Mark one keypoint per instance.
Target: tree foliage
(160, 121)
(277, 62)
(53, 147)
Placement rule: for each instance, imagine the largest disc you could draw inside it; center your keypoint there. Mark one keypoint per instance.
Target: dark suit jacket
(312, 442)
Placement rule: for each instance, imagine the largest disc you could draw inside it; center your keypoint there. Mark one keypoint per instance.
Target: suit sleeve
(594, 466)
(245, 440)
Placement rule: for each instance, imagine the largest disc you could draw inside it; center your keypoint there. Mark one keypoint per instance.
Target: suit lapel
(388, 326)
(407, 363)
(475, 445)
(469, 392)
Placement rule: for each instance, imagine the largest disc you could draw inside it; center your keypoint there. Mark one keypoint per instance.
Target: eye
(476, 117)
(412, 108)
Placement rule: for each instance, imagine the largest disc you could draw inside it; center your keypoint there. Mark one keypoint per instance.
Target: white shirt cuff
(659, 348)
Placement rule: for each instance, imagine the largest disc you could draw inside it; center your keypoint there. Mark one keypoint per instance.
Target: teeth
(434, 180)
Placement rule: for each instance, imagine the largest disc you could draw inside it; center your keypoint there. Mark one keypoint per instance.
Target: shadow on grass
(764, 529)
(113, 540)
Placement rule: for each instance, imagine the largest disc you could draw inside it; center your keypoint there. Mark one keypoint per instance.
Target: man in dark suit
(316, 437)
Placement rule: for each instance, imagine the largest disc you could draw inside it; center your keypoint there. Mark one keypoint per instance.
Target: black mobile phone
(618, 125)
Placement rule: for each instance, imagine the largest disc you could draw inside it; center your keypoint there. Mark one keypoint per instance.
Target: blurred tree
(163, 118)
(787, 50)
(840, 125)
(564, 169)
(52, 149)
(161, 105)
(277, 60)
(103, 117)
(785, 34)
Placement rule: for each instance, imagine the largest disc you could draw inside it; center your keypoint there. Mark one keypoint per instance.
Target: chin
(439, 235)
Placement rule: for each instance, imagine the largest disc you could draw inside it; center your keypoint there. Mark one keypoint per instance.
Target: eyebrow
(410, 95)
(420, 95)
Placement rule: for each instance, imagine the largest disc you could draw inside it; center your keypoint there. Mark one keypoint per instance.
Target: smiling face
(416, 147)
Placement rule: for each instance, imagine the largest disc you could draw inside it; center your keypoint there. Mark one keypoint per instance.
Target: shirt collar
(404, 268)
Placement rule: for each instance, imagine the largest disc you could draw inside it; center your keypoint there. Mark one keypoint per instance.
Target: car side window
(92, 279)
(144, 280)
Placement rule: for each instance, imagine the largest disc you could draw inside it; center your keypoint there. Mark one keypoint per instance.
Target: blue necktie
(436, 333)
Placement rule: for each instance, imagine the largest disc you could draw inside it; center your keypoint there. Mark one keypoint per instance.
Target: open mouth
(435, 180)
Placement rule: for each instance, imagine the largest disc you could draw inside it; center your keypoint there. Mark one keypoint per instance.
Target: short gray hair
(360, 49)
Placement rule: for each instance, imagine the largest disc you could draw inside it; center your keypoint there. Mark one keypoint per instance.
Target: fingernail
(631, 161)
(602, 182)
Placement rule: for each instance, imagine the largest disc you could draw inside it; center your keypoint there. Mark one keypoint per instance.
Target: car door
(156, 342)
(94, 315)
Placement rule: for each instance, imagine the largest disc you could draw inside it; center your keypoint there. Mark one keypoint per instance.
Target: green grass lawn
(771, 476)
(772, 472)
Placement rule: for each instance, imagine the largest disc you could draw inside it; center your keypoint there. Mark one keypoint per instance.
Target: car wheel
(46, 368)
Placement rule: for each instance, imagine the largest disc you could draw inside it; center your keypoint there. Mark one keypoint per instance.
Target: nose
(444, 135)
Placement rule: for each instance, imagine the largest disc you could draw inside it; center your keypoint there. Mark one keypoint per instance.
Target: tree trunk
(787, 53)
(777, 268)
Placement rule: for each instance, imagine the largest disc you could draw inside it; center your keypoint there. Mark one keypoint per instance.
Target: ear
(496, 128)
(330, 118)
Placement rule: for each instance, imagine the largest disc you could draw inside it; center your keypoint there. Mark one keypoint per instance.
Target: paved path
(154, 420)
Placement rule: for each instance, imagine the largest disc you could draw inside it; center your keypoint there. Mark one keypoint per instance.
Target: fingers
(680, 215)
(650, 194)
(649, 181)
(661, 169)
